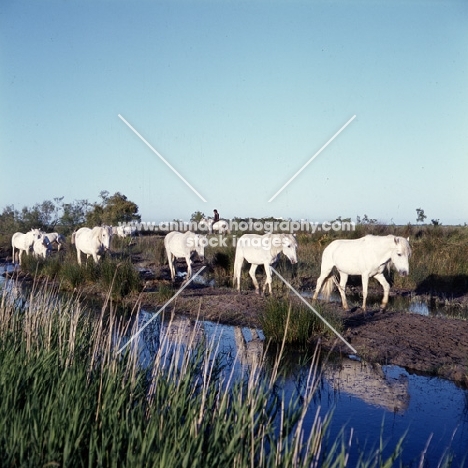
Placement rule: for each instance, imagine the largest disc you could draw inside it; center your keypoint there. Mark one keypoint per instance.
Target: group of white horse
(367, 257)
(40, 243)
(91, 242)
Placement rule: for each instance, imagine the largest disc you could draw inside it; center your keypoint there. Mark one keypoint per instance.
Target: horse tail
(73, 237)
(327, 287)
(13, 248)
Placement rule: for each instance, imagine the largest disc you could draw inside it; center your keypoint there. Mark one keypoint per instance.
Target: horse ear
(397, 241)
(407, 238)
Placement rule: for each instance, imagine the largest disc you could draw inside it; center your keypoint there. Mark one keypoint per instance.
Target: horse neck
(386, 250)
(276, 249)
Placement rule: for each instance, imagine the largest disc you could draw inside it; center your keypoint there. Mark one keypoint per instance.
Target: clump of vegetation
(295, 323)
(117, 276)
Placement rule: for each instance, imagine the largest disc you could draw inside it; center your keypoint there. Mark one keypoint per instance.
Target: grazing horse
(222, 226)
(179, 244)
(92, 241)
(41, 247)
(56, 238)
(262, 250)
(24, 242)
(367, 257)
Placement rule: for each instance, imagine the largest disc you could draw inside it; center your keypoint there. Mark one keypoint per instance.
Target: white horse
(41, 247)
(124, 231)
(92, 241)
(56, 238)
(179, 244)
(262, 250)
(24, 242)
(367, 257)
(221, 226)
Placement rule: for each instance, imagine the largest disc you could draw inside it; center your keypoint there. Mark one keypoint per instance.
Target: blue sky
(237, 96)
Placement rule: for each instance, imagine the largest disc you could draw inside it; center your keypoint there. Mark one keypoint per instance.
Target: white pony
(179, 244)
(56, 238)
(221, 226)
(262, 250)
(41, 247)
(367, 257)
(92, 241)
(124, 231)
(24, 242)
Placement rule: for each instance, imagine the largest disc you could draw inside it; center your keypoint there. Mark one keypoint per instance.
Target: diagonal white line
(161, 158)
(312, 158)
(313, 310)
(160, 310)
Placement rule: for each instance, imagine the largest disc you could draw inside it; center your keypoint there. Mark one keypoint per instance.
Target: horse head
(105, 237)
(205, 224)
(289, 243)
(400, 255)
(36, 234)
(200, 242)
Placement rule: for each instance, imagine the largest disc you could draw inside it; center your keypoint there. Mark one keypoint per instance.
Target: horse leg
(342, 289)
(171, 259)
(238, 261)
(365, 285)
(268, 280)
(253, 269)
(189, 267)
(386, 287)
(78, 256)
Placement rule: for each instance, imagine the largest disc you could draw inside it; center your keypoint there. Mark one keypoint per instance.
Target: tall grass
(116, 275)
(294, 323)
(70, 398)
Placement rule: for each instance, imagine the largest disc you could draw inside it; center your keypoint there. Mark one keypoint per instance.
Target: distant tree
(197, 216)
(73, 216)
(436, 222)
(112, 210)
(420, 215)
(9, 220)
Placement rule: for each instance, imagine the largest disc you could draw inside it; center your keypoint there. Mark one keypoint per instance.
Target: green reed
(295, 323)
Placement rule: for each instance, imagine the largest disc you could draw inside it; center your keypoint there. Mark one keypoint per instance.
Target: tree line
(57, 215)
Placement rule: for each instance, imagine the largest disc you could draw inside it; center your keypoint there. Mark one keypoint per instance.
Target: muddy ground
(433, 345)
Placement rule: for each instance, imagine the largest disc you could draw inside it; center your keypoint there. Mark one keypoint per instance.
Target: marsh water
(373, 404)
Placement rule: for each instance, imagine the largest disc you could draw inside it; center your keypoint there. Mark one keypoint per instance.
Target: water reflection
(369, 383)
